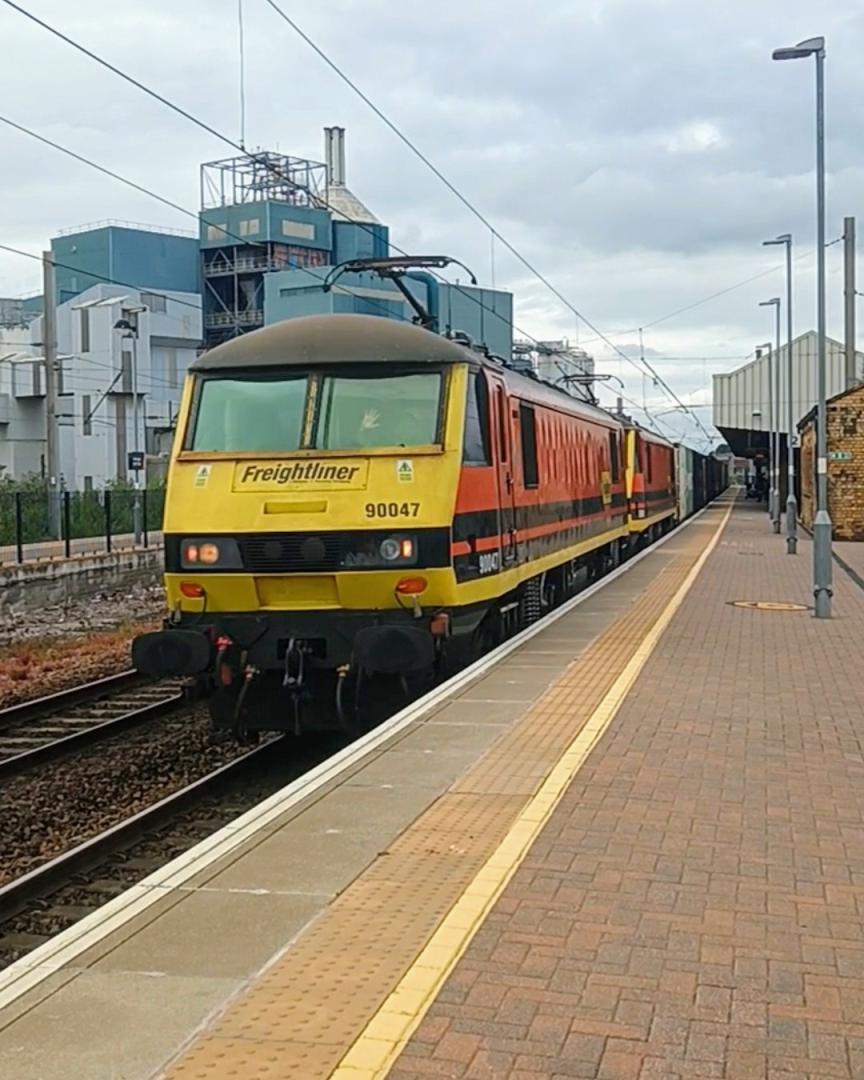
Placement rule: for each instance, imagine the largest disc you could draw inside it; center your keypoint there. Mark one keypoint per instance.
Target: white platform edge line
(58, 953)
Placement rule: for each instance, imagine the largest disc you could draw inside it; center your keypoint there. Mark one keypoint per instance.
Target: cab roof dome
(332, 339)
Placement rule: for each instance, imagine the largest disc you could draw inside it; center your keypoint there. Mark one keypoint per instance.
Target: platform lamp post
(774, 390)
(815, 47)
(129, 325)
(791, 499)
(772, 461)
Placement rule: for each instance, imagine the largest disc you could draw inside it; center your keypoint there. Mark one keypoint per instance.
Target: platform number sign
(136, 460)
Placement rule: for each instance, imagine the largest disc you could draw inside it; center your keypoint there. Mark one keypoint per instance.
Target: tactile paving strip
(305, 1011)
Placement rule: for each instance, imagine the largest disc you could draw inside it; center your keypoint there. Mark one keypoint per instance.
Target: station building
(742, 404)
(845, 464)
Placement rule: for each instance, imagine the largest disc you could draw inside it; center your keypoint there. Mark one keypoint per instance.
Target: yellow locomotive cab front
(309, 508)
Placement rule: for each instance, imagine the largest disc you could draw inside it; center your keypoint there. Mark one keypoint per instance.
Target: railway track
(58, 893)
(37, 731)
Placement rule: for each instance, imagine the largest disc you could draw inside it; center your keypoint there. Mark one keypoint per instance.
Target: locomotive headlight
(212, 554)
(398, 550)
(390, 549)
(209, 554)
(377, 551)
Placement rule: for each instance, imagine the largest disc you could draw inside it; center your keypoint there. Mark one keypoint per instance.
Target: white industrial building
(97, 369)
(22, 416)
(742, 403)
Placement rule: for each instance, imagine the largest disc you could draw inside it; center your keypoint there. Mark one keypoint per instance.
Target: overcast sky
(636, 151)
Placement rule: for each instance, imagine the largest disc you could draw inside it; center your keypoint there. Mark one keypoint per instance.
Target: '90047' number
(392, 510)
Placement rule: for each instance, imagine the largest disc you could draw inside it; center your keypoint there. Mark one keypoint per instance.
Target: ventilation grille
(291, 553)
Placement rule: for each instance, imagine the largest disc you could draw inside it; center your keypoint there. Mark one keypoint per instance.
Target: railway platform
(626, 844)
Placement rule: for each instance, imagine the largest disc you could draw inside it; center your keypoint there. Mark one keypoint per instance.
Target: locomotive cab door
(504, 469)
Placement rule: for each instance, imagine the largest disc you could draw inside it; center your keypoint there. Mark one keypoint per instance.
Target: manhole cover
(769, 605)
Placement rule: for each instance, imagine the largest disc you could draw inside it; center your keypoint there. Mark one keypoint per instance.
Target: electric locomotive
(353, 498)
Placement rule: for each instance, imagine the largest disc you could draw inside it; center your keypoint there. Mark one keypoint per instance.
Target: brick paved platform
(695, 905)
(631, 847)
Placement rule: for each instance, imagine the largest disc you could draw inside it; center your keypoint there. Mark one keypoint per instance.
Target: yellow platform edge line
(375, 1050)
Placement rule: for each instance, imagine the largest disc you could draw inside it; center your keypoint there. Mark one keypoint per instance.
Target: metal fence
(85, 522)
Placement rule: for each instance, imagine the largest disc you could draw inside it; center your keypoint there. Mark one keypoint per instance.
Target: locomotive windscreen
(249, 415)
(365, 409)
(373, 411)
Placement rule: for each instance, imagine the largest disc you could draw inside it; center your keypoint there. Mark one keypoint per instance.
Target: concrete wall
(39, 585)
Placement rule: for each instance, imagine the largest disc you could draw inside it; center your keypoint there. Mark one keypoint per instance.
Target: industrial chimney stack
(334, 150)
(342, 203)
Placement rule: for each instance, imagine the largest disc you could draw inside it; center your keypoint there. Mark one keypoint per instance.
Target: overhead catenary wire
(379, 305)
(143, 189)
(241, 149)
(228, 141)
(713, 296)
(470, 205)
(221, 136)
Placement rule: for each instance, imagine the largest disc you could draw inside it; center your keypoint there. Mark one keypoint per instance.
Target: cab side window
(528, 432)
(477, 445)
(614, 467)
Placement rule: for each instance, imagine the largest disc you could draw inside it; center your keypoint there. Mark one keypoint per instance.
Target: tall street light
(774, 394)
(130, 328)
(815, 47)
(760, 349)
(791, 500)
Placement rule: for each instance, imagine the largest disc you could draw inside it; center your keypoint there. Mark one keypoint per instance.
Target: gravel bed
(58, 648)
(51, 808)
(83, 616)
(238, 793)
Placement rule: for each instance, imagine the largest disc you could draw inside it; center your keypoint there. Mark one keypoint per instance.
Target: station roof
(742, 407)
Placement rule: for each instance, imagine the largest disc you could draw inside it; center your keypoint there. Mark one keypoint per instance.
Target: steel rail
(17, 895)
(53, 705)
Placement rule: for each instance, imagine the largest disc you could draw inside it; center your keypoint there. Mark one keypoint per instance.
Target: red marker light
(190, 589)
(411, 586)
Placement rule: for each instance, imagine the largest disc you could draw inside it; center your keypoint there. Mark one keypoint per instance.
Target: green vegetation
(90, 513)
